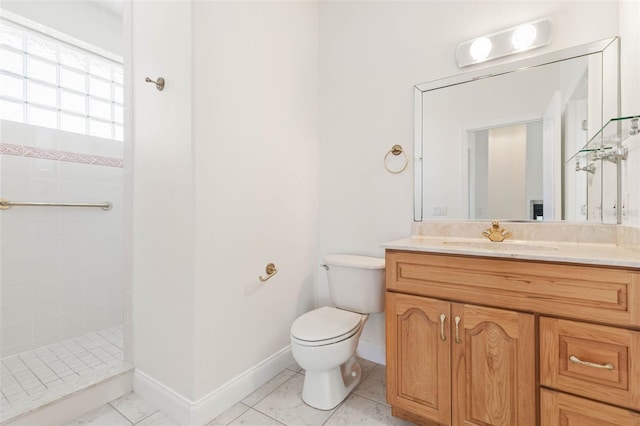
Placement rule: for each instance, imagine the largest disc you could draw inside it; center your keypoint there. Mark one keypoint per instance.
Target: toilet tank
(356, 283)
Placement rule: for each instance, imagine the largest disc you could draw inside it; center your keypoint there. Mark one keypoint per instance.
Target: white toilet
(324, 341)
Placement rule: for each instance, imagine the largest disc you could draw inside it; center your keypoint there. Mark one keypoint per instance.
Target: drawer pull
(443, 317)
(576, 360)
(457, 320)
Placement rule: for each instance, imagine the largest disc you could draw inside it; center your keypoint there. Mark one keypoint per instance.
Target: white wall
(507, 171)
(163, 196)
(225, 178)
(255, 121)
(371, 55)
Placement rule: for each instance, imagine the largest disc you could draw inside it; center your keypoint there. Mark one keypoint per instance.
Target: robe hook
(159, 84)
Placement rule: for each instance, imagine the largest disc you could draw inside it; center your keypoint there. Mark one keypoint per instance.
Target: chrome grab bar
(5, 204)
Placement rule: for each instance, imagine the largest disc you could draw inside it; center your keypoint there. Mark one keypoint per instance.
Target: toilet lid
(324, 323)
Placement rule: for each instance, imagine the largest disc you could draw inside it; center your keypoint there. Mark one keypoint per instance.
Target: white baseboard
(75, 405)
(205, 409)
(372, 351)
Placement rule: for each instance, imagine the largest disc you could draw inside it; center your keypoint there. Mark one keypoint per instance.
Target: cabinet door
(419, 356)
(560, 409)
(493, 367)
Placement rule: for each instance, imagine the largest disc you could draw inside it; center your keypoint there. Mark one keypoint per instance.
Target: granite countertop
(603, 252)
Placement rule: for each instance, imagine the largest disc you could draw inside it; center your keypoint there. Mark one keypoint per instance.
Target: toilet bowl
(324, 341)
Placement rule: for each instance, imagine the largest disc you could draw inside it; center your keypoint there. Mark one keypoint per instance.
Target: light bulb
(480, 48)
(523, 36)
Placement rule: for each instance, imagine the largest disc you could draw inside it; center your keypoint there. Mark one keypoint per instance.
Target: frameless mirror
(494, 144)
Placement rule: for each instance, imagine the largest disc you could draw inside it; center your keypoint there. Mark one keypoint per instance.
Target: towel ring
(396, 150)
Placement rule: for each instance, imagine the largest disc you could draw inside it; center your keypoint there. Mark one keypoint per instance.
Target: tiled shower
(62, 267)
(61, 142)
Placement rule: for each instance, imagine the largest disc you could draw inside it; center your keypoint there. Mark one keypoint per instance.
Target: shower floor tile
(31, 379)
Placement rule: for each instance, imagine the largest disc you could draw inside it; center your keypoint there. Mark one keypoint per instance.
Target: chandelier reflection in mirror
(518, 39)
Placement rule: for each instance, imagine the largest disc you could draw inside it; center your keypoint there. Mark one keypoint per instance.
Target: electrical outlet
(440, 211)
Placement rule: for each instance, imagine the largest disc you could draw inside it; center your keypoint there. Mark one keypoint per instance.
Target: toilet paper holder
(271, 270)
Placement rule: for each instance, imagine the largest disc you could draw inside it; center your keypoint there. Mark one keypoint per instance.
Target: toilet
(324, 341)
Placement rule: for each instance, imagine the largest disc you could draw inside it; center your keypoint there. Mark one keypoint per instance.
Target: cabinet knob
(443, 336)
(457, 321)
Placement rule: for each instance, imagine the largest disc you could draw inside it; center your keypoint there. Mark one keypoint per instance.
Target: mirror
(498, 143)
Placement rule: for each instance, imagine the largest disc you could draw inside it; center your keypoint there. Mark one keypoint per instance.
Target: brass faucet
(495, 233)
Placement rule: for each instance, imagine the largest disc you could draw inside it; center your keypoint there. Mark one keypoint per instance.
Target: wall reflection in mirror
(494, 144)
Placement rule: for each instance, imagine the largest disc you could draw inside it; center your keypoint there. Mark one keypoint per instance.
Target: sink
(505, 245)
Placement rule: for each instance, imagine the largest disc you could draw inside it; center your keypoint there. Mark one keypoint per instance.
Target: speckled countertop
(557, 242)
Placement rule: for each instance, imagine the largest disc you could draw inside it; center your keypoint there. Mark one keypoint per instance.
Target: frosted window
(73, 80)
(10, 36)
(117, 75)
(73, 58)
(100, 68)
(45, 81)
(42, 117)
(99, 88)
(118, 94)
(11, 86)
(100, 129)
(100, 109)
(41, 47)
(11, 61)
(73, 123)
(11, 111)
(41, 70)
(73, 102)
(118, 114)
(41, 94)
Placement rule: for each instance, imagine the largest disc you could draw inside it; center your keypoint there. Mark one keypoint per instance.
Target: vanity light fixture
(518, 39)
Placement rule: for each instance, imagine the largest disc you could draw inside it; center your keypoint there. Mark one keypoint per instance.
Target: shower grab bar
(5, 204)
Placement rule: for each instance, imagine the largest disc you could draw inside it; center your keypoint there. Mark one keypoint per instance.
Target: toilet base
(324, 390)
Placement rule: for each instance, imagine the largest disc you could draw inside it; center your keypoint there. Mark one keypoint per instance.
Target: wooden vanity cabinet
(486, 341)
(418, 356)
(562, 409)
(459, 364)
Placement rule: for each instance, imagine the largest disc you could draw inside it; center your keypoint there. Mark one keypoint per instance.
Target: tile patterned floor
(31, 379)
(277, 403)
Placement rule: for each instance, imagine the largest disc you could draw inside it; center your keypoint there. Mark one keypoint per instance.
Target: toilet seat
(324, 326)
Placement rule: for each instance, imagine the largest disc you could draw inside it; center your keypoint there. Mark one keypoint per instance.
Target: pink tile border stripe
(51, 154)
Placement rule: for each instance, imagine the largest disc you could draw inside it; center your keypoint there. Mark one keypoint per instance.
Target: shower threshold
(37, 378)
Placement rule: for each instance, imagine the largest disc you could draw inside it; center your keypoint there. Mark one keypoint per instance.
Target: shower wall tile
(17, 290)
(61, 268)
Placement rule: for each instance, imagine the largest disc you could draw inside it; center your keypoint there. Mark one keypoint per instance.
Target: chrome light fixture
(518, 39)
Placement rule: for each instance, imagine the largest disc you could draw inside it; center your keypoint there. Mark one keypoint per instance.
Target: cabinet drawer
(594, 293)
(594, 361)
(559, 409)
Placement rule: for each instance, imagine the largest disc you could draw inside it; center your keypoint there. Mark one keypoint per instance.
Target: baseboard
(157, 394)
(75, 405)
(205, 409)
(372, 351)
